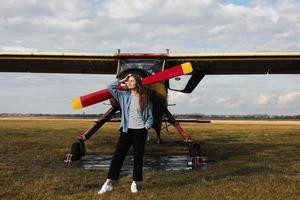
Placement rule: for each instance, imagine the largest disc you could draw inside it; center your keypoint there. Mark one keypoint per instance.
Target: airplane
(146, 65)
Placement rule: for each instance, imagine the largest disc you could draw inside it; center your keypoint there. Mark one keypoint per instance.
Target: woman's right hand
(124, 79)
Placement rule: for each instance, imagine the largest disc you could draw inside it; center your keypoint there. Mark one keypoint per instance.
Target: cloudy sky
(103, 26)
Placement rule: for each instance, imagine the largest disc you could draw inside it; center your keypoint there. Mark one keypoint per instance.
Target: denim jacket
(124, 99)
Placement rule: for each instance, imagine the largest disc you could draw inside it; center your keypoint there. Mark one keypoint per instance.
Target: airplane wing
(58, 63)
(250, 63)
(87, 63)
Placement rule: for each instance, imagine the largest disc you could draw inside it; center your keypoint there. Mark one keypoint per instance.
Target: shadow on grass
(218, 150)
(229, 157)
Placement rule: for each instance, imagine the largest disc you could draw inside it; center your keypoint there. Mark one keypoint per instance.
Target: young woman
(136, 119)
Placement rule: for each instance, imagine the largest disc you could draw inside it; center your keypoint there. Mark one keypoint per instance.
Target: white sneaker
(133, 187)
(105, 188)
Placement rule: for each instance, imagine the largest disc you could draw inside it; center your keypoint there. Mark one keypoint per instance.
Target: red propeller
(103, 95)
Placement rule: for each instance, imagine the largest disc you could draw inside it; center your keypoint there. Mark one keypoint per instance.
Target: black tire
(196, 150)
(77, 150)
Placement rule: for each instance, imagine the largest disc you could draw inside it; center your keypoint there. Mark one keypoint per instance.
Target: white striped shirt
(135, 120)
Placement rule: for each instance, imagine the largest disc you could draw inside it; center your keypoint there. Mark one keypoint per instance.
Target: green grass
(247, 161)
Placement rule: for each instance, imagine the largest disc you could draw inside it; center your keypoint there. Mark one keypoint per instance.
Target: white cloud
(181, 26)
(261, 100)
(17, 49)
(289, 98)
(184, 99)
(153, 26)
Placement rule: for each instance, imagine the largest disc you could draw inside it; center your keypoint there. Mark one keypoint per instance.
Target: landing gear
(193, 148)
(78, 147)
(157, 127)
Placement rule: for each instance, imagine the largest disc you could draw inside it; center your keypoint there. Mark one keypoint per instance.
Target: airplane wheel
(196, 155)
(77, 151)
(196, 150)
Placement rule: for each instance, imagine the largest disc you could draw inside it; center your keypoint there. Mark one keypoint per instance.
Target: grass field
(247, 160)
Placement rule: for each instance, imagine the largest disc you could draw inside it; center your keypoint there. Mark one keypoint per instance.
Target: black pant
(136, 137)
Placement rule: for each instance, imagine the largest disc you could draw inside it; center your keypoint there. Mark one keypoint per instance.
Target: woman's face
(131, 83)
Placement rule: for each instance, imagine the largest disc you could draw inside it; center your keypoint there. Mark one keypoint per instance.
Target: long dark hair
(144, 97)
